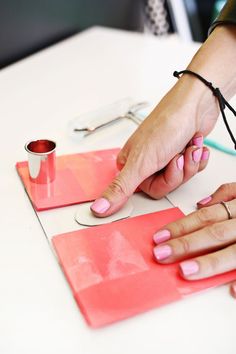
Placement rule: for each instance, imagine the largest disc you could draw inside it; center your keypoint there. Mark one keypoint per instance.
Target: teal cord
(220, 147)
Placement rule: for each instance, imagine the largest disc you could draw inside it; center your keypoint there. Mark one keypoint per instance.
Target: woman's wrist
(215, 61)
(199, 100)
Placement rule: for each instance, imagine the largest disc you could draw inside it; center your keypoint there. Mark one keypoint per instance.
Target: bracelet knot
(216, 92)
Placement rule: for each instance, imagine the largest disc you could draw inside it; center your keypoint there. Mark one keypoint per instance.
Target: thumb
(123, 155)
(118, 192)
(121, 159)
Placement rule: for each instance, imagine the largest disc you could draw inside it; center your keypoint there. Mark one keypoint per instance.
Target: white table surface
(38, 96)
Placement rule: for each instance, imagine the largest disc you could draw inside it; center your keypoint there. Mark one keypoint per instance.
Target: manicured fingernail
(162, 252)
(198, 141)
(100, 205)
(205, 155)
(197, 155)
(161, 236)
(189, 267)
(180, 162)
(205, 200)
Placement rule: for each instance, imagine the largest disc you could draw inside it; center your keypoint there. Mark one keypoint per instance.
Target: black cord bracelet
(216, 92)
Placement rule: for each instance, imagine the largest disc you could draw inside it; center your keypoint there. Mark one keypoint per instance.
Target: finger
(194, 221)
(171, 178)
(117, 193)
(212, 264)
(160, 184)
(192, 158)
(120, 162)
(233, 289)
(136, 169)
(204, 159)
(225, 192)
(208, 239)
(122, 156)
(197, 140)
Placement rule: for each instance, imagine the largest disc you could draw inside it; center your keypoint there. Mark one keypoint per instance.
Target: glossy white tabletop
(38, 96)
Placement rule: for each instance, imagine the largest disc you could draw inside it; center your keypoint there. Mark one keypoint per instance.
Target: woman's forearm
(216, 62)
(216, 59)
(187, 111)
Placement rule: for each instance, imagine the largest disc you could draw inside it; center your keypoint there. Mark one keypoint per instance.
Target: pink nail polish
(189, 267)
(198, 141)
(205, 155)
(197, 155)
(205, 200)
(180, 162)
(162, 252)
(161, 236)
(100, 205)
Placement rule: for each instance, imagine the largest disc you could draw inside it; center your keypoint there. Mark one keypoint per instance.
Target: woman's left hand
(210, 231)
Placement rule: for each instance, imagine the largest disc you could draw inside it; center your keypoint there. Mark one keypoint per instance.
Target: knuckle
(205, 215)
(121, 158)
(118, 187)
(172, 183)
(178, 228)
(184, 244)
(213, 262)
(232, 249)
(225, 188)
(217, 233)
(155, 196)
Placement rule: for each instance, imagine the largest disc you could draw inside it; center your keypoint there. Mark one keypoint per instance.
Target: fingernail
(162, 252)
(205, 155)
(197, 155)
(100, 205)
(189, 267)
(205, 200)
(198, 141)
(161, 236)
(180, 162)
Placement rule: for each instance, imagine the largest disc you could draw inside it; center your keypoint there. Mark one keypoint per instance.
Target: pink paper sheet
(79, 178)
(113, 275)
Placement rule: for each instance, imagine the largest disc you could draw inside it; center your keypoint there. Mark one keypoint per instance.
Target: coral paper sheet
(79, 178)
(113, 274)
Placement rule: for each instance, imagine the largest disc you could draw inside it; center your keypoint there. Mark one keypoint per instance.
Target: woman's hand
(204, 241)
(155, 158)
(189, 107)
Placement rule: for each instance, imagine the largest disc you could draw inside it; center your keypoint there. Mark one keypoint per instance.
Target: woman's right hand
(189, 107)
(155, 157)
